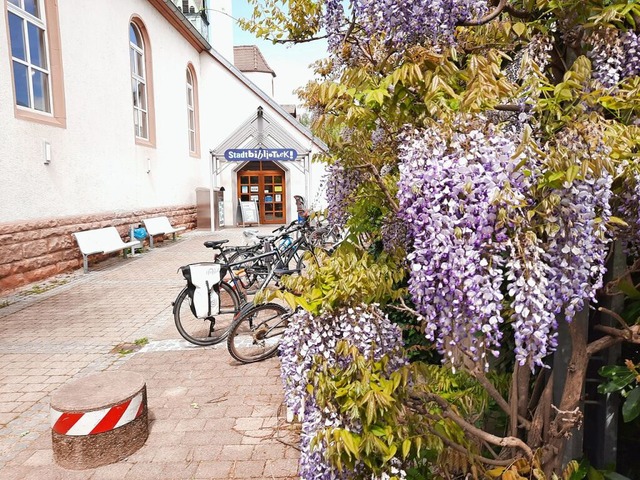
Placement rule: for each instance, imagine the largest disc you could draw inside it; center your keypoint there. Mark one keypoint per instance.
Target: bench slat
(160, 226)
(101, 240)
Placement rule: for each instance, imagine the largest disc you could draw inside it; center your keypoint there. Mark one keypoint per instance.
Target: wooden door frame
(243, 171)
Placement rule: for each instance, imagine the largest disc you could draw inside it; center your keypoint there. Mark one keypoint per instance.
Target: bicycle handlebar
(284, 227)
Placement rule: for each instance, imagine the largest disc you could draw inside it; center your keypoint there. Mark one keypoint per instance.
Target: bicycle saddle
(285, 271)
(215, 243)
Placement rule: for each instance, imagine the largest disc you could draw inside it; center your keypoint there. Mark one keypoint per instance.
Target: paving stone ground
(210, 417)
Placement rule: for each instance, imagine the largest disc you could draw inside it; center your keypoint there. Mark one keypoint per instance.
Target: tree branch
(517, 13)
(283, 41)
(614, 336)
(487, 18)
(513, 108)
(620, 320)
(479, 375)
(447, 412)
(474, 456)
(383, 187)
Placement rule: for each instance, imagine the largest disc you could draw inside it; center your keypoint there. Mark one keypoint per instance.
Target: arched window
(34, 41)
(192, 112)
(141, 84)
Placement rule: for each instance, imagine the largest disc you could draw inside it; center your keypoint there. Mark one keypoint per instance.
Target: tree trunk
(567, 416)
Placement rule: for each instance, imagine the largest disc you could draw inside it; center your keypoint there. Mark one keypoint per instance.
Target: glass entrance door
(267, 187)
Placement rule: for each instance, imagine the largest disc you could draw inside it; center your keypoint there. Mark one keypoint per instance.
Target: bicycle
(226, 299)
(255, 334)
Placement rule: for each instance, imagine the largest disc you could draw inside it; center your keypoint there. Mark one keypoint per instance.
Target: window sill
(32, 116)
(145, 143)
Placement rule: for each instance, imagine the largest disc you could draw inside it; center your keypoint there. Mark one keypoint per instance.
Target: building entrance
(264, 182)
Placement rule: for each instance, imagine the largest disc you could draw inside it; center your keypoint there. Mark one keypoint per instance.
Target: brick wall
(36, 250)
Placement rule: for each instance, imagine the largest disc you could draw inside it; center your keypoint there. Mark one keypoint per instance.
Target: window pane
(136, 122)
(21, 83)
(143, 125)
(142, 95)
(132, 58)
(36, 46)
(16, 3)
(254, 180)
(133, 36)
(277, 179)
(134, 90)
(192, 141)
(191, 121)
(41, 100)
(139, 65)
(31, 6)
(16, 32)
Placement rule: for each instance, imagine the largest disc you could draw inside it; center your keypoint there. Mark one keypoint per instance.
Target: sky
(291, 63)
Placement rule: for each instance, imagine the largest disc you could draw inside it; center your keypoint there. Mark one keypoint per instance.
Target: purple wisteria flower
(461, 197)
(309, 338)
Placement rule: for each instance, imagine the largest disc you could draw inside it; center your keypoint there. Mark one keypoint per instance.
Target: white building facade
(112, 111)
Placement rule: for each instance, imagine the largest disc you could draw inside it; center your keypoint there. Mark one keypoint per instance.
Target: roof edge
(268, 100)
(181, 23)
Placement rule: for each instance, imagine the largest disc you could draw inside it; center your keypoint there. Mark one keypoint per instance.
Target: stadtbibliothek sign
(273, 154)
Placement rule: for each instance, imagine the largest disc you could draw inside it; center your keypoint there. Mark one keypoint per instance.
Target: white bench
(160, 226)
(101, 240)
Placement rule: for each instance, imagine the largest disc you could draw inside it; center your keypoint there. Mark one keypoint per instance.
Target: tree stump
(99, 419)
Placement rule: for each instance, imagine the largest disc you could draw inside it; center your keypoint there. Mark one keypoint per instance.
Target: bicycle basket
(201, 280)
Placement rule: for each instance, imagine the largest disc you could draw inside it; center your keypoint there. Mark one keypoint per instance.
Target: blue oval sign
(262, 154)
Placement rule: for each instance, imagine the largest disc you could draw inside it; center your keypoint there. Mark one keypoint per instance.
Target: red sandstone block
(7, 269)
(41, 273)
(35, 248)
(11, 253)
(61, 242)
(11, 283)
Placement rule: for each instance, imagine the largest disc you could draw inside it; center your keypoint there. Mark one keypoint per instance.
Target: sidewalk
(210, 417)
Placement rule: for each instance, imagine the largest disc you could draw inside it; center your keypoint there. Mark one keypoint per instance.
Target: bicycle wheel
(256, 335)
(210, 330)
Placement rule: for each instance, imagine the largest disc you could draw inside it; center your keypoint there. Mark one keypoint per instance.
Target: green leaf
(629, 289)
(519, 28)
(618, 382)
(618, 221)
(572, 172)
(581, 471)
(391, 453)
(406, 447)
(631, 406)
(593, 474)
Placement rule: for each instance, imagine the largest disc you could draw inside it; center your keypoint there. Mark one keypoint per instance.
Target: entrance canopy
(262, 162)
(260, 132)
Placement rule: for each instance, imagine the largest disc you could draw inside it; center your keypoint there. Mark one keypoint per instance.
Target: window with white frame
(191, 112)
(138, 83)
(30, 55)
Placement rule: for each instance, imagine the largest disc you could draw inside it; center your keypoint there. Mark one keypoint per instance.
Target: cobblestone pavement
(209, 416)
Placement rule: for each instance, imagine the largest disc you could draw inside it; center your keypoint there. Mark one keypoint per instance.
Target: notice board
(249, 212)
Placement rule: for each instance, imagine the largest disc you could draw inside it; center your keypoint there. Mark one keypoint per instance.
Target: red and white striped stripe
(97, 421)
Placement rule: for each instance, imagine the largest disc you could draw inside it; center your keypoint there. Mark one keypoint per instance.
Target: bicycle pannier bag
(202, 277)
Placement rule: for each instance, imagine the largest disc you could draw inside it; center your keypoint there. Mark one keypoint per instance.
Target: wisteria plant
(492, 146)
